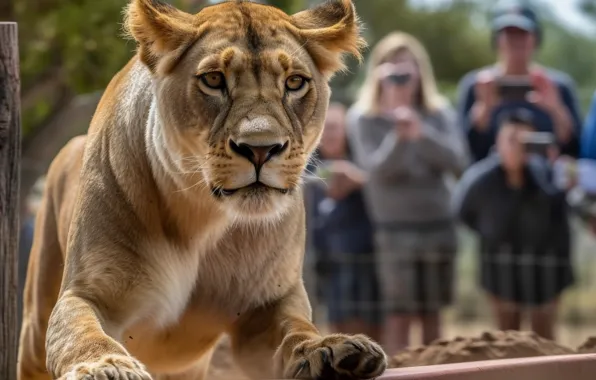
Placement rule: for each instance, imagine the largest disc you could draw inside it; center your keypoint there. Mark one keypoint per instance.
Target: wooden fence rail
(569, 367)
(10, 155)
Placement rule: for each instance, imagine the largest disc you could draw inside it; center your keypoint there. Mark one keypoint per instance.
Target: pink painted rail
(569, 367)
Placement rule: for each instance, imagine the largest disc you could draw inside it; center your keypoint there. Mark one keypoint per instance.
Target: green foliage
(446, 32)
(588, 7)
(288, 6)
(573, 54)
(82, 37)
(80, 41)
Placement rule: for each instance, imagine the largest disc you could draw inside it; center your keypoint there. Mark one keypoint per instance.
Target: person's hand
(552, 153)
(545, 94)
(485, 92)
(486, 89)
(345, 178)
(395, 95)
(407, 123)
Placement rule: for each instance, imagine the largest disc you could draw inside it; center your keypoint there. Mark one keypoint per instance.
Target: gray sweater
(407, 180)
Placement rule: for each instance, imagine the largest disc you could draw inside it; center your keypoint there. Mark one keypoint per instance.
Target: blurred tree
(288, 6)
(194, 6)
(588, 7)
(6, 10)
(67, 47)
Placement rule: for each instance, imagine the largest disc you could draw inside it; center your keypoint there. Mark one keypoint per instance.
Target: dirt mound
(589, 346)
(488, 346)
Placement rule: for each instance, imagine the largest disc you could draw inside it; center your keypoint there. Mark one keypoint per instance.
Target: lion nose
(260, 154)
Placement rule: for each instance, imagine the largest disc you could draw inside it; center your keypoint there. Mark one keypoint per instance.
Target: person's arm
(382, 156)
(444, 148)
(479, 140)
(541, 173)
(467, 198)
(588, 137)
(346, 178)
(567, 119)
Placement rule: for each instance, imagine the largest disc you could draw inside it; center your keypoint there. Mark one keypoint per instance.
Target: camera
(537, 142)
(514, 87)
(399, 79)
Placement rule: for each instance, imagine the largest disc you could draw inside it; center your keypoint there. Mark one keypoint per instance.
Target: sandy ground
(488, 345)
(588, 347)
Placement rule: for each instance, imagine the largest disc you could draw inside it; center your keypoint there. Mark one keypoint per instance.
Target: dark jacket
(481, 142)
(340, 227)
(532, 218)
(525, 241)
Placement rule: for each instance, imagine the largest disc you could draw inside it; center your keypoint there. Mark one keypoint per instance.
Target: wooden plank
(10, 154)
(567, 367)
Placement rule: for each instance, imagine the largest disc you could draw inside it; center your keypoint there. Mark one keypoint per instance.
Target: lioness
(179, 217)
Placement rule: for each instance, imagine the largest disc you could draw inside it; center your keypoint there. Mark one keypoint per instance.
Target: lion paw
(337, 357)
(110, 367)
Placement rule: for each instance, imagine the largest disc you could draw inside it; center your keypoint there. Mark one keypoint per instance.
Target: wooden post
(10, 156)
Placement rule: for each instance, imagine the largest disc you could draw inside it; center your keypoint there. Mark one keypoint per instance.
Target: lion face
(241, 93)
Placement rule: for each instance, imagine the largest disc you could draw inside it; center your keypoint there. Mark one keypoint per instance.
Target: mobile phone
(514, 87)
(399, 78)
(538, 142)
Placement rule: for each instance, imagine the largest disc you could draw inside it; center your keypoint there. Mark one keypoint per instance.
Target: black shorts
(527, 280)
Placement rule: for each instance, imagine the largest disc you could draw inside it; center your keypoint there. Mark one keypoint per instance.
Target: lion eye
(295, 82)
(214, 80)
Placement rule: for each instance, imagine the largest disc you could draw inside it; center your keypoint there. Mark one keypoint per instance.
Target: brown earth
(488, 346)
(588, 347)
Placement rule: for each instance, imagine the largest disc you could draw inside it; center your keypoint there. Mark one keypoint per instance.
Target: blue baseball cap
(514, 14)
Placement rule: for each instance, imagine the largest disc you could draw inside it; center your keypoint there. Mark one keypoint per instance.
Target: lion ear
(160, 30)
(331, 30)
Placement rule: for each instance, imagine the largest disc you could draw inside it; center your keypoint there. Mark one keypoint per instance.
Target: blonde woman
(404, 134)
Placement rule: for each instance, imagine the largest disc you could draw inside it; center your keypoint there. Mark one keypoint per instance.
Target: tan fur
(137, 268)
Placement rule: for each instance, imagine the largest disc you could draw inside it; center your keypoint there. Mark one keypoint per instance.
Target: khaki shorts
(415, 270)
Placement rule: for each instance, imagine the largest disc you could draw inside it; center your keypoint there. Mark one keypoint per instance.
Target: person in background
(510, 201)
(344, 235)
(404, 135)
(588, 138)
(484, 94)
(583, 197)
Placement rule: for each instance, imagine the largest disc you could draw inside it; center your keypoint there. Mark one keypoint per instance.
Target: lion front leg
(283, 331)
(79, 348)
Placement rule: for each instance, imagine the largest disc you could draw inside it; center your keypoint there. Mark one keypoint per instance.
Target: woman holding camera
(404, 135)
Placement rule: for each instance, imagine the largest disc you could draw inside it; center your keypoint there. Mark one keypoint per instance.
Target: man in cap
(549, 94)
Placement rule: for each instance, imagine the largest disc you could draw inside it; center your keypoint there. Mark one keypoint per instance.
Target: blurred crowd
(401, 168)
